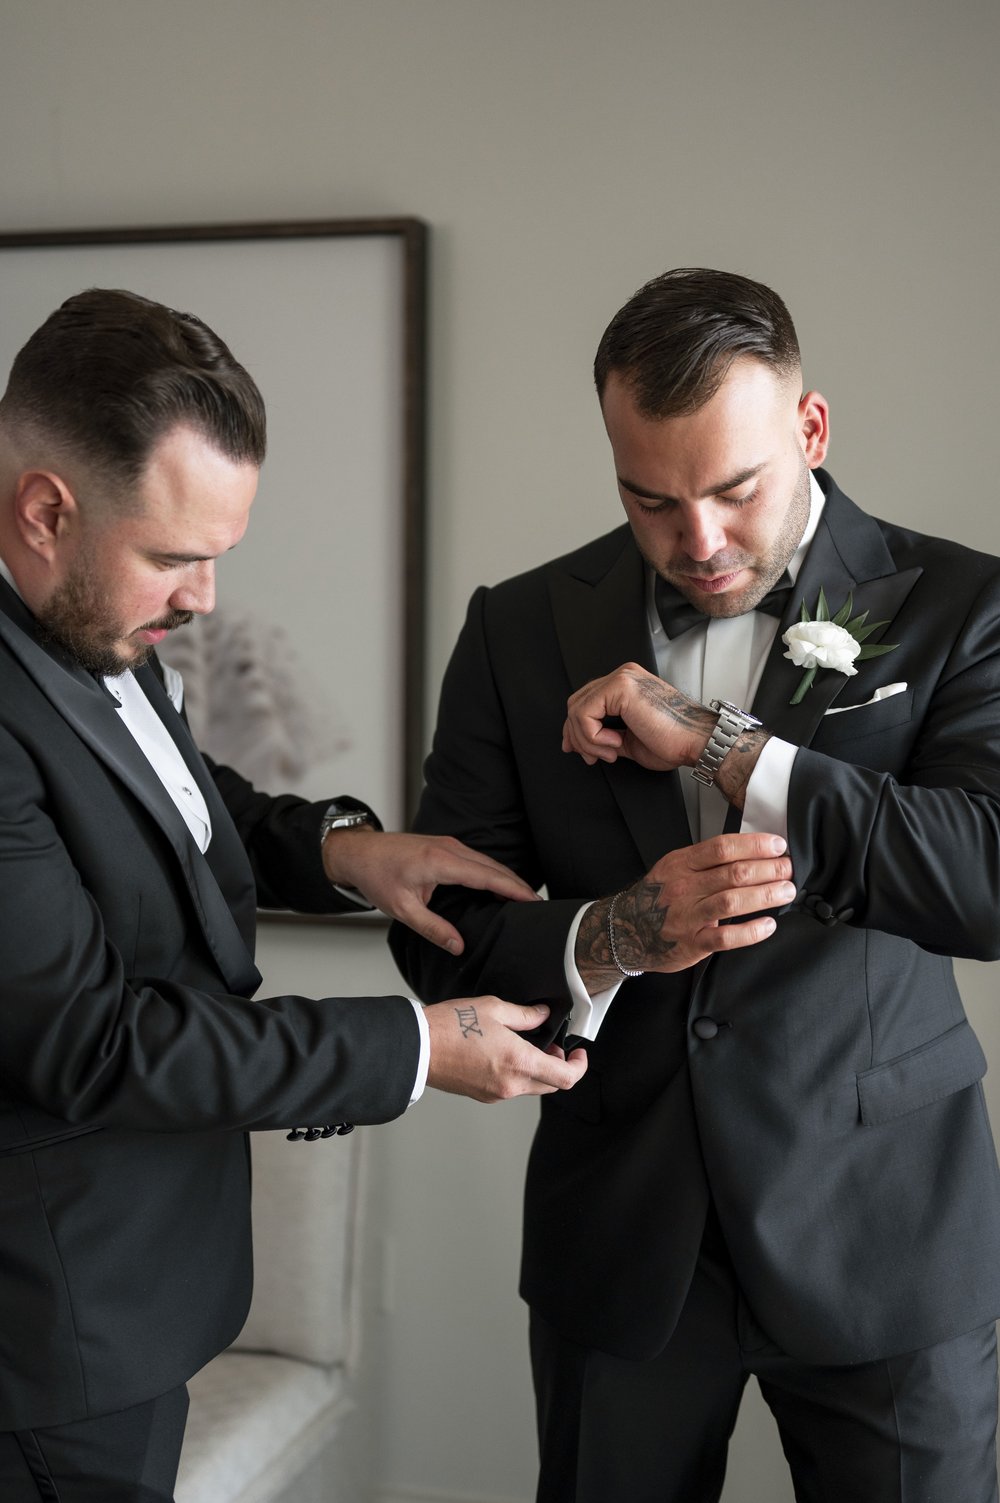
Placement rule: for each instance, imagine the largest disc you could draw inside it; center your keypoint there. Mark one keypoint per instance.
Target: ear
(813, 427)
(46, 512)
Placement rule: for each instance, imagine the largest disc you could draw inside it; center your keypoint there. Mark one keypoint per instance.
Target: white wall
(563, 151)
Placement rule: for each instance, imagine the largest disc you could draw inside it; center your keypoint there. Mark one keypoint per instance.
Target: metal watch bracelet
(731, 724)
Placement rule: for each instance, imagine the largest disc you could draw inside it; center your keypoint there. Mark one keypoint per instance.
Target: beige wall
(563, 151)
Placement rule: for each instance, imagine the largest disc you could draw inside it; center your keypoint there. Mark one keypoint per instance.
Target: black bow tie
(679, 615)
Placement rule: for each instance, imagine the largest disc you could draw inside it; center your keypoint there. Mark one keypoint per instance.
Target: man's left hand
(398, 873)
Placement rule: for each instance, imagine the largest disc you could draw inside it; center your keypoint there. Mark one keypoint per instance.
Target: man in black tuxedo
(779, 1162)
(133, 1055)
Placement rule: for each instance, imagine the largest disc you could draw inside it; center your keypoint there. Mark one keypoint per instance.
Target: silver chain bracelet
(625, 969)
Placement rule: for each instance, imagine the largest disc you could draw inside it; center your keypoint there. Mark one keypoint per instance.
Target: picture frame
(324, 598)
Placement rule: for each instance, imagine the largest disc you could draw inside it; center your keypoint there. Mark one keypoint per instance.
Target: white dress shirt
(722, 659)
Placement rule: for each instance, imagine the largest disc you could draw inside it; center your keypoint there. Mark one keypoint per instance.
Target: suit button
(705, 1028)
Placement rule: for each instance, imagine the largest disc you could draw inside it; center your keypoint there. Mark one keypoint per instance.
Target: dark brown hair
(110, 372)
(675, 339)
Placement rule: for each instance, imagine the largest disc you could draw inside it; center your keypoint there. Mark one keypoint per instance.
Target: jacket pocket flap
(915, 1079)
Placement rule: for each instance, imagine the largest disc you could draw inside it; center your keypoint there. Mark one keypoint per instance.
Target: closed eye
(738, 501)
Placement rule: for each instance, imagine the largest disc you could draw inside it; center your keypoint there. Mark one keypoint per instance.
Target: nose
(197, 592)
(701, 533)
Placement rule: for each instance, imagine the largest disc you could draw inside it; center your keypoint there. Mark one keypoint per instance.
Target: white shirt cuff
(423, 1063)
(588, 1013)
(765, 811)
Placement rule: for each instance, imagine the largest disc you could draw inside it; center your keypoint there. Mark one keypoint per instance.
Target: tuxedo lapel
(92, 712)
(224, 861)
(598, 605)
(848, 556)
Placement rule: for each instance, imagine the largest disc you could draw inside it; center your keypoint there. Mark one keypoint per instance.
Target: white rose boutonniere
(825, 641)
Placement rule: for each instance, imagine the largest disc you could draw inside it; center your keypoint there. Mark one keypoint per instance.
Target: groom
(779, 1161)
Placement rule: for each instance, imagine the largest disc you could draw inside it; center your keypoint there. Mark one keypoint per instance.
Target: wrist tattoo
(738, 764)
(640, 945)
(468, 1021)
(626, 970)
(639, 919)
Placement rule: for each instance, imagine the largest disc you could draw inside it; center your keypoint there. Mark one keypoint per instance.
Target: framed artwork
(307, 677)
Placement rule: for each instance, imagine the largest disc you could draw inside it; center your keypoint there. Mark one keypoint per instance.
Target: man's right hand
(476, 1051)
(673, 916)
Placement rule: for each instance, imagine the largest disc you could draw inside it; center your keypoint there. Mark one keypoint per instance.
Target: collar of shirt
(8, 576)
(155, 743)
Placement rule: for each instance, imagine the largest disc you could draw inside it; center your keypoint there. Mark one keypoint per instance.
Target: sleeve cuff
(587, 1013)
(423, 1063)
(765, 810)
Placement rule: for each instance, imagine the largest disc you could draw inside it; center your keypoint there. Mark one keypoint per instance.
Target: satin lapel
(848, 556)
(228, 921)
(600, 621)
(85, 705)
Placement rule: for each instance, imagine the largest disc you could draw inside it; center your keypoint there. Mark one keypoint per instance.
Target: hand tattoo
(468, 1021)
(678, 706)
(638, 922)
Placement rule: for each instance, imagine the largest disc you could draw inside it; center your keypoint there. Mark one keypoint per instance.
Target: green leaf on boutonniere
(843, 616)
(875, 650)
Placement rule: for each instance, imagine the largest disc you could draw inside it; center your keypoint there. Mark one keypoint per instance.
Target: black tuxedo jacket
(132, 1057)
(836, 1116)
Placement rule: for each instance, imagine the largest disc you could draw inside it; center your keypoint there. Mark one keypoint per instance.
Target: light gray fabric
(255, 1423)
(263, 1411)
(305, 1230)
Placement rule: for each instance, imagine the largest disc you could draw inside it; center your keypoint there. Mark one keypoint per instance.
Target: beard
(78, 619)
(767, 567)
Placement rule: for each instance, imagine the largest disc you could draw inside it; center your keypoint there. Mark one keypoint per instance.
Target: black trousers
(919, 1428)
(128, 1457)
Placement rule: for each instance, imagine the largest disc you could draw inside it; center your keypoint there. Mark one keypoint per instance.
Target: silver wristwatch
(346, 814)
(731, 724)
(340, 821)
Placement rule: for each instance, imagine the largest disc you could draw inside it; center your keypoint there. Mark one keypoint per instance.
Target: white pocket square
(885, 693)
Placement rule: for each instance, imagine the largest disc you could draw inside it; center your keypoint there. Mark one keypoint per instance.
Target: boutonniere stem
(831, 641)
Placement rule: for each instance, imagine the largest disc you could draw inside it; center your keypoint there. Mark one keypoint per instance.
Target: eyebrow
(713, 490)
(186, 558)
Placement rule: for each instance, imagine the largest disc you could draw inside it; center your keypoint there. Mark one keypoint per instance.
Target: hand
(476, 1051)
(397, 874)
(663, 728)
(673, 917)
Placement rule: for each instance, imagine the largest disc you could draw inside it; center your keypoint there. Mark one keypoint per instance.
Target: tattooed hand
(672, 917)
(477, 1051)
(662, 728)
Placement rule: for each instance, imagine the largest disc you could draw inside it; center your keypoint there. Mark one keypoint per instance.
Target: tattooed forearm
(638, 937)
(680, 707)
(734, 773)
